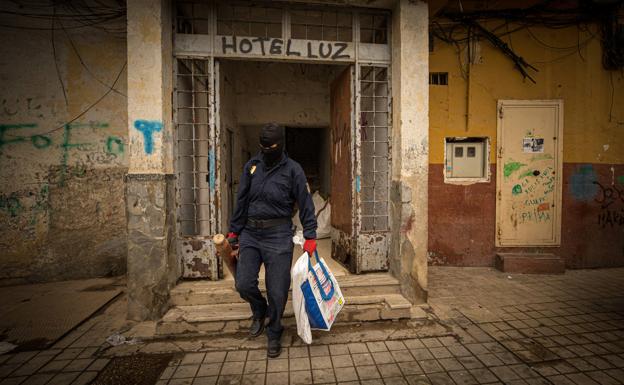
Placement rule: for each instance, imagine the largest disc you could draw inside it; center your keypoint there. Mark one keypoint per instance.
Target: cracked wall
(63, 142)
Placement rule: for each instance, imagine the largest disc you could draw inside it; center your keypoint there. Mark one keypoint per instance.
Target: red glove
(232, 238)
(309, 246)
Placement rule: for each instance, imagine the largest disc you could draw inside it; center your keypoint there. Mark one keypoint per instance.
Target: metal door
(196, 165)
(341, 166)
(529, 165)
(360, 166)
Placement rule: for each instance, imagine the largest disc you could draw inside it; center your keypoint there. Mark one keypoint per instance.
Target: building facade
(122, 147)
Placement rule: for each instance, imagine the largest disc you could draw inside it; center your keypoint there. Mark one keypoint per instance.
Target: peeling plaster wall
(61, 185)
(291, 94)
(463, 221)
(408, 257)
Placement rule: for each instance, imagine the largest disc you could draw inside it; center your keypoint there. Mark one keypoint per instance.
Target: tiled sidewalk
(485, 327)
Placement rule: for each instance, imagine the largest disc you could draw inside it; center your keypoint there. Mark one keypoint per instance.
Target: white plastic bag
(317, 298)
(299, 274)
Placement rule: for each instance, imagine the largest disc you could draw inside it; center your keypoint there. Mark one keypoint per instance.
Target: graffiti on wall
(611, 201)
(608, 196)
(105, 152)
(147, 128)
(532, 191)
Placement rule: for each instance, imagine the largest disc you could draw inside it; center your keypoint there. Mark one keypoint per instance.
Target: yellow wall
(590, 134)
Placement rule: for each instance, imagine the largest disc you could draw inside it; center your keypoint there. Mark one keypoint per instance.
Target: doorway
(529, 167)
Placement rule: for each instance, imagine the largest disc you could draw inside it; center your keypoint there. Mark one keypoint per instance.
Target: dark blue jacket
(267, 194)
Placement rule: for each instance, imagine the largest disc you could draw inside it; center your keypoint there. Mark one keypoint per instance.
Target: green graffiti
(524, 175)
(10, 204)
(40, 141)
(620, 179)
(511, 167)
(16, 139)
(517, 189)
(118, 147)
(41, 203)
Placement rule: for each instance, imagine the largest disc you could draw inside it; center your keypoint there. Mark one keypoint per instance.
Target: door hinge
(499, 231)
(499, 195)
(500, 152)
(500, 112)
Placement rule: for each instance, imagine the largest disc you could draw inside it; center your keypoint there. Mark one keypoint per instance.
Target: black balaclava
(272, 143)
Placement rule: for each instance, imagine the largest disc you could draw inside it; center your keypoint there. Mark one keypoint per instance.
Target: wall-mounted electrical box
(466, 159)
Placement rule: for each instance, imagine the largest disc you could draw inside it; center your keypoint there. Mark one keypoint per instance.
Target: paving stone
(395, 345)
(430, 366)
(321, 376)
(463, 377)
(321, 362)
(376, 346)
(367, 372)
(277, 365)
(410, 368)
(382, 357)
(212, 380)
(40, 378)
(345, 374)
(414, 344)
(504, 373)
(342, 361)
(440, 352)
(278, 378)
(319, 351)
(255, 367)
(206, 370)
(13, 380)
(422, 354)
(450, 364)
(193, 358)
(299, 364)
(85, 378)
(357, 347)
(63, 378)
(212, 357)
(440, 378)
(186, 371)
(232, 368)
(300, 377)
(55, 366)
(78, 365)
(431, 342)
(228, 379)
(389, 370)
(338, 349)
(298, 352)
(362, 359)
(253, 379)
(402, 355)
(237, 355)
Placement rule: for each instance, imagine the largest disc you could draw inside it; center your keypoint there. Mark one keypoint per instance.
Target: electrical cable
(58, 71)
(71, 41)
(86, 109)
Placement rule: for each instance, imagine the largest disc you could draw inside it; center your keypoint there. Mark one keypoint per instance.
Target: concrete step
(236, 317)
(529, 263)
(190, 293)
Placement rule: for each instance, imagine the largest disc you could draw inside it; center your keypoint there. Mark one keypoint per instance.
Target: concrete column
(152, 264)
(410, 91)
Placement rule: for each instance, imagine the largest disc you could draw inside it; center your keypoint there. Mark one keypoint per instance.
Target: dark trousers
(274, 248)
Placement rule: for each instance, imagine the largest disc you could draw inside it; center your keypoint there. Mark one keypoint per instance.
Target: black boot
(257, 327)
(274, 348)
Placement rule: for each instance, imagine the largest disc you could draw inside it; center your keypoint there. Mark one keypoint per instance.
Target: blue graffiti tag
(582, 185)
(212, 169)
(147, 128)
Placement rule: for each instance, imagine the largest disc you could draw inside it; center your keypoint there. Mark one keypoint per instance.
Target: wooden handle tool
(224, 250)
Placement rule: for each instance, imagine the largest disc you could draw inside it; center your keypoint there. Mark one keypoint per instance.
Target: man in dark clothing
(270, 186)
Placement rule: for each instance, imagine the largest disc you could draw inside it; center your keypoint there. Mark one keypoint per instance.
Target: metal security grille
(195, 157)
(192, 17)
(374, 28)
(321, 25)
(241, 20)
(375, 147)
